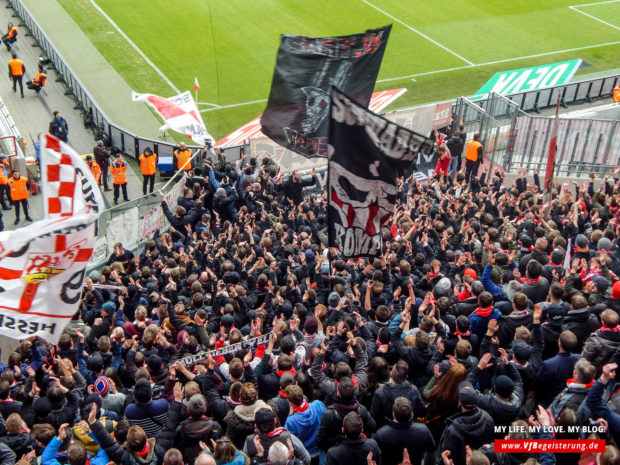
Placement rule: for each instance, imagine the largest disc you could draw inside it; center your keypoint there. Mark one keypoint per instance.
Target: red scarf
(282, 394)
(615, 329)
(530, 281)
(465, 334)
(281, 372)
(302, 408)
(353, 378)
(484, 311)
(145, 450)
(275, 432)
(572, 381)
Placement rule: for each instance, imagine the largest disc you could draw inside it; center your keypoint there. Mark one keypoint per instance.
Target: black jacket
(330, 429)
(509, 323)
(582, 323)
(353, 452)
(383, 401)
(294, 190)
(191, 432)
(502, 412)
(415, 358)
(473, 429)
(394, 437)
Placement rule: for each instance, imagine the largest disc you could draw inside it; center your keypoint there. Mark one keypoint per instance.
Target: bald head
(205, 459)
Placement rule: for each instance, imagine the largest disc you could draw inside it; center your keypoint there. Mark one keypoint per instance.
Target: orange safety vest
(40, 79)
(119, 172)
(148, 164)
(616, 94)
(19, 190)
(182, 157)
(17, 67)
(96, 170)
(4, 172)
(12, 33)
(472, 150)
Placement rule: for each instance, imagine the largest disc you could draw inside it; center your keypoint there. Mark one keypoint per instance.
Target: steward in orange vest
(148, 166)
(19, 194)
(94, 168)
(5, 172)
(119, 176)
(16, 72)
(182, 155)
(616, 94)
(39, 80)
(10, 37)
(473, 157)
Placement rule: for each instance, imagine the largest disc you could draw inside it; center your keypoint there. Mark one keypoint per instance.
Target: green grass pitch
(437, 49)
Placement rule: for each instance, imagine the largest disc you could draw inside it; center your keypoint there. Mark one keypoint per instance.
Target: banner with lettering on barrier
(231, 349)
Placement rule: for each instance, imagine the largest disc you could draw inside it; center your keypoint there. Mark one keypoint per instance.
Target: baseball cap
(468, 397)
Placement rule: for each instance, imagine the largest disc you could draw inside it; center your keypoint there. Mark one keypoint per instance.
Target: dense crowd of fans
(469, 322)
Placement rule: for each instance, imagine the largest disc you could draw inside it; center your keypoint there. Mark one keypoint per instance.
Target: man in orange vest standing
(5, 172)
(182, 156)
(19, 187)
(10, 37)
(148, 166)
(119, 177)
(473, 157)
(94, 168)
(16, 72)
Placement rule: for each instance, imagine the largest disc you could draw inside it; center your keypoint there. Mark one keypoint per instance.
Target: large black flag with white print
(366, 154)
(297, 112)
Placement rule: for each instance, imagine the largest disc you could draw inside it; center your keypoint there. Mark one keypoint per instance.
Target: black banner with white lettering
(367, 153)
(297, 112)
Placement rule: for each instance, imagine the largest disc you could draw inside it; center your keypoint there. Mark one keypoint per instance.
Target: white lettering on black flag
(366, 154)
(297, 112)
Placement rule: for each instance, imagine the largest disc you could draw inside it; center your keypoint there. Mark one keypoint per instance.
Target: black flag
(366, 154)
(296, 116)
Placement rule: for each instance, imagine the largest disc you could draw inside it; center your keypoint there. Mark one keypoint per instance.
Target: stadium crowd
(470, 321)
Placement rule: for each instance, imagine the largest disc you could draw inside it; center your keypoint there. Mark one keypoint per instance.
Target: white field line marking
(499, 61)
(418, 32)
(234, 105)
(438, 71)
(208, 103)
(140, 52)
(576, 8)
(595, 3)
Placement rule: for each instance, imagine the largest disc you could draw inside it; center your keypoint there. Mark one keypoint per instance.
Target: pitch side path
(32, 114)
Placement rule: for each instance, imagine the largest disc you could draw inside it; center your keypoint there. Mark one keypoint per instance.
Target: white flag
(42, 265)
(179, 113)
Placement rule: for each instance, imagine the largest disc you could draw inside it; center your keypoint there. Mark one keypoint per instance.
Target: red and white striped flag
(196, 86)
(42, 265)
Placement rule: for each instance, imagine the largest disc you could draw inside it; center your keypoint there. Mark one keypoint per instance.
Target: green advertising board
(525, 79)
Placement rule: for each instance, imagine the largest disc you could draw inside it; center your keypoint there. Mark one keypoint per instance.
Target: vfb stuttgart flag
(42, 265)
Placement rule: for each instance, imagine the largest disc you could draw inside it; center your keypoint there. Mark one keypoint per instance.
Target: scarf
(484, 311)
(529, 280)
(275, 432)
(465, 334)
(571, 381)
(145, 450)
(281, 372)
(615, 329)
(282, 394)
(302, 408)
(353, 378)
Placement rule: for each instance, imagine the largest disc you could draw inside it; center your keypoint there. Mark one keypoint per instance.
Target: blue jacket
(552, 376)
(479, 323)
(49, 454)
(305, 425)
